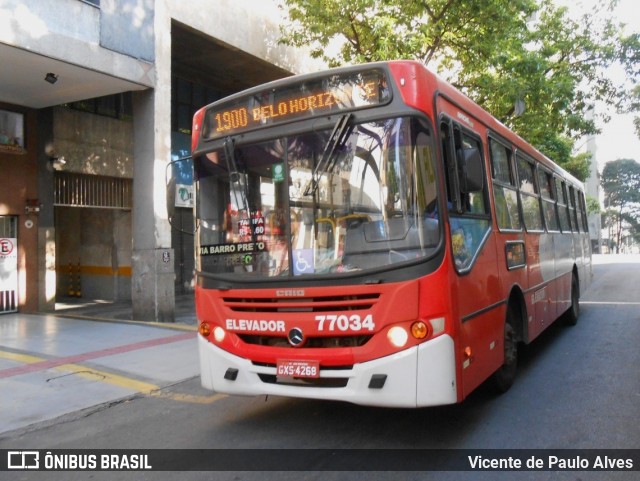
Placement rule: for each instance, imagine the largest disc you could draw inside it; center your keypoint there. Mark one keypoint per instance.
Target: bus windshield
(350, 198)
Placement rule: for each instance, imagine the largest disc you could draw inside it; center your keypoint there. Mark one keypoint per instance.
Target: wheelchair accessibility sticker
(302, 261)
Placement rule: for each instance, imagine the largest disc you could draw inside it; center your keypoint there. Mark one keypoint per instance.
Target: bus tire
(504, 377)
(571, 316)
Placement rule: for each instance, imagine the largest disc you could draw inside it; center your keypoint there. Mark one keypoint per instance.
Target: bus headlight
(397, 336)
(218, 334)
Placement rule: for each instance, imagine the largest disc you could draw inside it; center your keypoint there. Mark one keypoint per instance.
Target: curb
(161, 325)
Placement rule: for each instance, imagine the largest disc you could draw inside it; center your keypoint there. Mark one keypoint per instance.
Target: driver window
(473, 202)
(468, 216)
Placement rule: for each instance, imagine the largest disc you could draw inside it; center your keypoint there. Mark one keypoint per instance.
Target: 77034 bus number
(345, 323)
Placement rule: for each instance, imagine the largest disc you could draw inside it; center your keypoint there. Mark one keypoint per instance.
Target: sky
(618, 139)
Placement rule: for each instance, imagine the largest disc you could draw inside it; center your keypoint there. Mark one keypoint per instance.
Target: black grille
(313, 342)
(330, 382)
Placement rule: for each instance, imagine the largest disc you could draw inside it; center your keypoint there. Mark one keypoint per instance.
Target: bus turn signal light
(419, 330)
(204, 329)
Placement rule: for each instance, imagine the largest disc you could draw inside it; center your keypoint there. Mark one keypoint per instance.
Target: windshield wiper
(234, 175)
(238, 182)
(338, 138)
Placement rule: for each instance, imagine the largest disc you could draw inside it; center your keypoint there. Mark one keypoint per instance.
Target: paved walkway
(86, 355)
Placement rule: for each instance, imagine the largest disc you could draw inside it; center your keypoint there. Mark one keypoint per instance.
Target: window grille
(79, 190)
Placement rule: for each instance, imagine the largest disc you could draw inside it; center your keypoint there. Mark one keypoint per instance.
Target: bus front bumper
(423, 375)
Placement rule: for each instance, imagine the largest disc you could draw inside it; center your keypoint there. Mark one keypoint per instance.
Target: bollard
(78, 291)
(71, 292)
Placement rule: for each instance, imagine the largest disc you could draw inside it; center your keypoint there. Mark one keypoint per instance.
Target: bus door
(8, 264)
(475, 283)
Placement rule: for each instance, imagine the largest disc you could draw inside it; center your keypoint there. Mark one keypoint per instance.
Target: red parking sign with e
(6, 247)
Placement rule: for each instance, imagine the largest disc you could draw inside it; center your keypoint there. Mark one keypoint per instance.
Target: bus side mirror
(171, 197)
(470, 168)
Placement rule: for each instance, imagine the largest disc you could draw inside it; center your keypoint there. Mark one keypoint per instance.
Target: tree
(636, 121)
(621, 185)
(525, 61)
(593, 205)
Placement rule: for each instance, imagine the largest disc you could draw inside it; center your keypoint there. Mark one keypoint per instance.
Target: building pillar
(46, 226)
(152, 276)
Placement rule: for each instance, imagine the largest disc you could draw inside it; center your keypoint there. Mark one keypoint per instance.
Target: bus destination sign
(310, 98)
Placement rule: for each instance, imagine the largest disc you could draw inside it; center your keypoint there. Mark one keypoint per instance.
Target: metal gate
(80, 190)
(8, 264)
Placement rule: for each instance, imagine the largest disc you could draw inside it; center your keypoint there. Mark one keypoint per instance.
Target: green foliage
(620, 182)
(501, 53)
(578, 165)
(593, 205)
(636, 121)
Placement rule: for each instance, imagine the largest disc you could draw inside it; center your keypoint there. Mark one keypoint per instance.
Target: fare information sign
(319, 96)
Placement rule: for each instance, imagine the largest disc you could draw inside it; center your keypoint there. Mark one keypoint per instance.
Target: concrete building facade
(592, 189)
(96, 97)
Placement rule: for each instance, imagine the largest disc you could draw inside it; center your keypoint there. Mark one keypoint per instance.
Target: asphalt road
(578, 388)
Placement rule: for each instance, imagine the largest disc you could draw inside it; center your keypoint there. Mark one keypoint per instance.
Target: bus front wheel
(504, 377)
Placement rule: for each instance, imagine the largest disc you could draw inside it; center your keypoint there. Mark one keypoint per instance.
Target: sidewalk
(88, 354)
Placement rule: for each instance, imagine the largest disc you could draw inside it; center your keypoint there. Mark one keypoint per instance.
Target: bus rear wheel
(571, 316)
(504, 377)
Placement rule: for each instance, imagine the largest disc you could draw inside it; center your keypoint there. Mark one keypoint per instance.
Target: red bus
(369, 234)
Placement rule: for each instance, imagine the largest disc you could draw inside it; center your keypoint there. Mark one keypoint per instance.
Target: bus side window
(469, 155)
(585, 220)
(529, 195)
(504, 191)
(572, 209)
(450, 165)
(563, 213)
(548, 200)
(466, 200)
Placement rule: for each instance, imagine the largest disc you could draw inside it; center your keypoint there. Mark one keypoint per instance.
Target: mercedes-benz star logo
(295, 336)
